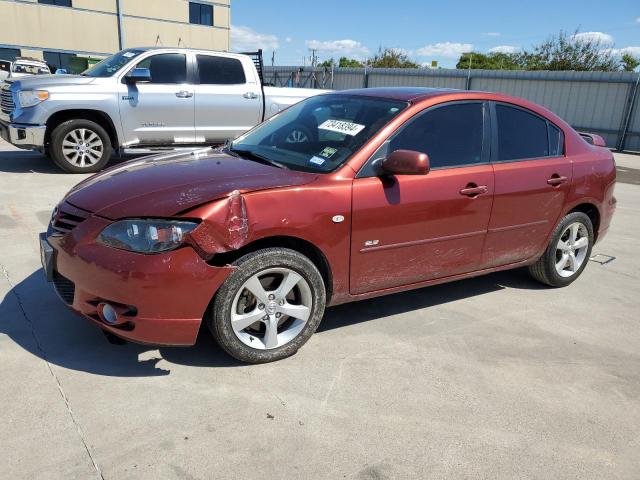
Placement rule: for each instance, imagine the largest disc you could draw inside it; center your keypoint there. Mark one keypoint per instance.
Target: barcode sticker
(340, 126)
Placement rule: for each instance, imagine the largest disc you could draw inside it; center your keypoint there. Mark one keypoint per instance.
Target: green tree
(349, 62)
(570, 52)
(560, 52)
(342, 63)
(629, 62)
(491, 61)
(391, 58)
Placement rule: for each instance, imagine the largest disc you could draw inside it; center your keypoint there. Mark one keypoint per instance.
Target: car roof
(406, 94)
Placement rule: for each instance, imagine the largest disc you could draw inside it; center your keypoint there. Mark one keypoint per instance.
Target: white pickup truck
(140, 101)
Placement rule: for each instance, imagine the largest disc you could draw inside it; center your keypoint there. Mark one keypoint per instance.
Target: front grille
(6, 99)
(67, 218)
(65, 288)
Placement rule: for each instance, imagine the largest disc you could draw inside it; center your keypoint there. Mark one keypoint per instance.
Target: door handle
(556, 180)
(184, 94)
(250, 95)
(472, 190)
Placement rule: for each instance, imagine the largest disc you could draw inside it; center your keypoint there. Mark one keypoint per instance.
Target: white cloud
(504, 49)
(288, 39)
(638, 19)
(492, 34)
(444, 49)
(601, 37)
(618, 52)
(246, 38)
(345, 47)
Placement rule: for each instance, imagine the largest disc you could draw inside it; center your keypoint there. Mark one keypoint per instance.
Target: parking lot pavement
(494, 377)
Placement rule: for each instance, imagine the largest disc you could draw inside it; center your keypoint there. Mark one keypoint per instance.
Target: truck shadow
(26, 161)
(34, 318)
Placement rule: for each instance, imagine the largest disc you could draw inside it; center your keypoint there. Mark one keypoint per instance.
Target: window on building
(166, 67)
(200, 14)
(59, 60)
(220, 70)
(520, 134)
(59, 3)
(9, 54)
(451, 135)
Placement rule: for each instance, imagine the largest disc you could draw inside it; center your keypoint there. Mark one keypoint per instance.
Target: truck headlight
(31, 98)
(146, 235)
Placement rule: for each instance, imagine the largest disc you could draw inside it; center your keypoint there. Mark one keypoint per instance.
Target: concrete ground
(494, 377)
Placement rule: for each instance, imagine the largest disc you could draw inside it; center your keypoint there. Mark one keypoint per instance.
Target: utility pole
(273, 58)
(314, 57)
(120, 26)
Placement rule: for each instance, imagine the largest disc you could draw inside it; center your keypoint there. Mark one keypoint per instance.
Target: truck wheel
(269, 306)
(80, 146)
(568, 252)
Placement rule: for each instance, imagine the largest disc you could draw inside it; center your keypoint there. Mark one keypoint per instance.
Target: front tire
(269, 306)
(80, 146)
(568, 252)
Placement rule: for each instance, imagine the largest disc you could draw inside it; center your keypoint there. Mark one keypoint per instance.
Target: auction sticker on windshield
(340, 126)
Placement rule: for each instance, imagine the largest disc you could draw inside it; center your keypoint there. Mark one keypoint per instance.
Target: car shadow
(28, 161)
(33, 317)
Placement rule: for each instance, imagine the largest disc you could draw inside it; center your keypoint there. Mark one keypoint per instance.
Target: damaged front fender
(226, 227)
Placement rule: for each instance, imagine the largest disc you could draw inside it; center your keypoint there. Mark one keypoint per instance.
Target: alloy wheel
(297, 136)
(82, 147)
(571, 249)
(271, 308)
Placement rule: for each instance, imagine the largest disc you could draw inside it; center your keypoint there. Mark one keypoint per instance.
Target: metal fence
(601, 102)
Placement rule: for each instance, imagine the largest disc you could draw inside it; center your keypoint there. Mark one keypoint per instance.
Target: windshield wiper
(249, 155)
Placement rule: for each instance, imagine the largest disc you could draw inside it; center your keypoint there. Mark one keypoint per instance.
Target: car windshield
(112, 64)
(318, 134)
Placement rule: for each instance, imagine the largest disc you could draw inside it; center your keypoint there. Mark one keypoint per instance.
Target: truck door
(227, 98)
(159, 112)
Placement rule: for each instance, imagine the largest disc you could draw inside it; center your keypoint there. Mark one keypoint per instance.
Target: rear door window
(452, 135)
(220, 70)
(166, 67)
(521, 134)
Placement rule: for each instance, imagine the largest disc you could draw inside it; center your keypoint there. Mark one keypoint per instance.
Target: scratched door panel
(424, 227)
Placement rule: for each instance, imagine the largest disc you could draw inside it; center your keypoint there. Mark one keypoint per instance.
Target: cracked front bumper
(158, 299)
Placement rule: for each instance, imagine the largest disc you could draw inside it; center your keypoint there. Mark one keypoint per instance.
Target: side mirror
(406, 162)
(138, 75)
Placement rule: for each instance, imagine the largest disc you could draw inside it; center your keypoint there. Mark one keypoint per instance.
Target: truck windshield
(112, 64)
(318, 134)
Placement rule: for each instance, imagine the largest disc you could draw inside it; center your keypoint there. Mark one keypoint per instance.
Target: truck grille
(67, 218)
(65, 288)
(6, 99)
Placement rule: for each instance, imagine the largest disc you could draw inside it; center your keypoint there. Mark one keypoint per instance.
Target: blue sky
(426, 30)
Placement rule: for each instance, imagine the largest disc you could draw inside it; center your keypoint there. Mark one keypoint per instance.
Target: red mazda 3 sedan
(378, 191)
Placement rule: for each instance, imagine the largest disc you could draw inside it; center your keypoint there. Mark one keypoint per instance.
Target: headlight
(30, 98)
(146, 236)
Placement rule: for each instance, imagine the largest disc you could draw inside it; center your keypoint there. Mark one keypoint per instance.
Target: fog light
(108, 313)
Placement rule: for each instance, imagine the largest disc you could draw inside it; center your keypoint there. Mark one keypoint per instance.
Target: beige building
(58, 30)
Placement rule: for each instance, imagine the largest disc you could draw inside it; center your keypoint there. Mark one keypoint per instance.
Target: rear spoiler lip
(593, 139)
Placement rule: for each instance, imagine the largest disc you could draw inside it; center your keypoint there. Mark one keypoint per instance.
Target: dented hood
(164, 185)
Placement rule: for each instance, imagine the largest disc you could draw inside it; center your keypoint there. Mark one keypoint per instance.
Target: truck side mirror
(406, 162)
(138, 75)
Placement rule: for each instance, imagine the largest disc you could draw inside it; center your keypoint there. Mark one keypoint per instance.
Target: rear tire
(568, 252)
(80, 146)
(269, 306)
